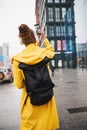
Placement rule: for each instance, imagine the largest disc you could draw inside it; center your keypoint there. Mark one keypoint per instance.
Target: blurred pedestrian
(43, 117)
(52, 70)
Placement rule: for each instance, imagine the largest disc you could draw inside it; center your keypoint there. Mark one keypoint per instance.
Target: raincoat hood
(33, 54)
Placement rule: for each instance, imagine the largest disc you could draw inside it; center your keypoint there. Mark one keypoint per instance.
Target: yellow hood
(32, 54)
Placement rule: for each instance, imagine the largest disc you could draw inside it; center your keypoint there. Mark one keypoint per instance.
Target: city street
(9, 107)
(71, 98)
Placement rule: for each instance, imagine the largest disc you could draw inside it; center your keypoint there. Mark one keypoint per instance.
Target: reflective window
(63, 1)
(63, 13)
(69, 30)
(60, 63)
(53, 62)
(59, 48)
(57, 1)
(61, 45)
(46, 30)
(57, 14)
(50, 14)
(58, 31)
(69, 15)
(53, 43)
(49, 1)
(63, 33)
(64, 45)
(70, 45)
(51, 30)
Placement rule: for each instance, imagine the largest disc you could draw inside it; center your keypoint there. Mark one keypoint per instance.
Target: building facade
(57, 19)
(4, 55)
(81, 32)
(81, 21)
(82, 55)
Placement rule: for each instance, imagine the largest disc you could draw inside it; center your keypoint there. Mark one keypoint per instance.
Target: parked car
(6, 74)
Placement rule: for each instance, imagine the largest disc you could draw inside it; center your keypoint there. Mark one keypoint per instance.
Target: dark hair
(26, 34)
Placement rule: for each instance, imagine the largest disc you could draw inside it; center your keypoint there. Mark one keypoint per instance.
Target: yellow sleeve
(18, 75)
(49, 48)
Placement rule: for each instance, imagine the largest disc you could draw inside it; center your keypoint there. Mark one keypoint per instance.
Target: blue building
(57, 18)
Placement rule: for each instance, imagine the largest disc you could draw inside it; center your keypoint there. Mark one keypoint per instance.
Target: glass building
(57, 18)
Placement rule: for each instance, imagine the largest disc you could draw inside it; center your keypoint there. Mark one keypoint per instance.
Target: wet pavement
(9, 107)
(71, 99)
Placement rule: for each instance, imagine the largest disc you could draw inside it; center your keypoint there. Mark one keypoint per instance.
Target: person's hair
(26, 34)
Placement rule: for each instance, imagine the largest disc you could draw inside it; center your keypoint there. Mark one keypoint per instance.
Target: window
(61, 45)
(51, 30)
(63, 1)
(49, 1)
(63, 13)
(69, 30)
(63, 33)
(50, 14)
(59, 48)
(57, 14)
(58, 31)
(53, 43)
(46, 30)
(57, 1)
(70, 45)
(64, 45)
(69, 15)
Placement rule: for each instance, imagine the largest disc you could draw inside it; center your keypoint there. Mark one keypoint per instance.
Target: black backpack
(39, 85)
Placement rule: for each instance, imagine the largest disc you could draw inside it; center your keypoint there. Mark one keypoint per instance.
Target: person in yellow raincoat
(43, 117)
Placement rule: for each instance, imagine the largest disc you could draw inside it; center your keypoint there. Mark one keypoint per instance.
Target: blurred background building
(58, 20)
(81, 32)
(82, 55)
(4, 55)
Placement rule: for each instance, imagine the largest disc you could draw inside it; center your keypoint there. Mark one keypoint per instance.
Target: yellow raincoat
(44, 117)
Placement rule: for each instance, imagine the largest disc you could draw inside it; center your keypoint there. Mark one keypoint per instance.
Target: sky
(12, 14)
(81, 20)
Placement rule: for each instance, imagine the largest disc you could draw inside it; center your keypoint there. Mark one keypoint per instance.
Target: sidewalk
(71, 98)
